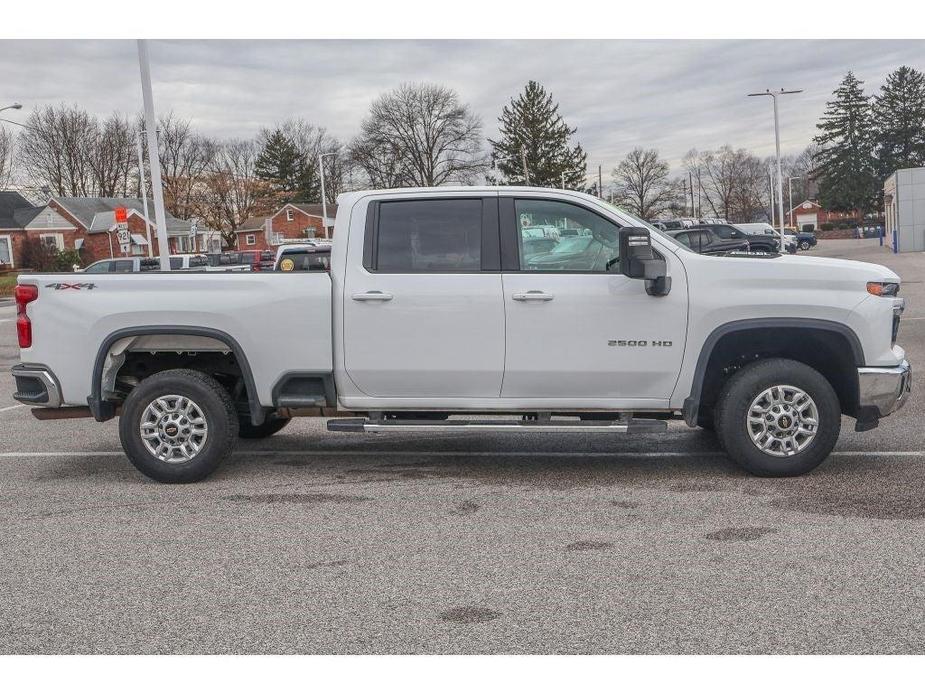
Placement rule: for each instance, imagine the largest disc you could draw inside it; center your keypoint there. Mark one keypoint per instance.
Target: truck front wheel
(778, 418)
(178, 426)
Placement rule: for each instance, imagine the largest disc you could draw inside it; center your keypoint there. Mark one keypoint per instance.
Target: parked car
(806, 240)
(304, 258)
(259, 261)
(134, 264)
(431, 311)
(765, 229)
(704, 241)
(756, 243)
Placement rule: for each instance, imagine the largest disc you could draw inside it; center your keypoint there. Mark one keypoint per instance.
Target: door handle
(533, 295)
(372, 296)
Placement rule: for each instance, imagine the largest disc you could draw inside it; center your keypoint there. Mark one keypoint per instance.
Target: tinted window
(123, 266)
(561, 237)
(726, 232)
(683, 239)
(176, 263)
(198, 261)
(430, 236)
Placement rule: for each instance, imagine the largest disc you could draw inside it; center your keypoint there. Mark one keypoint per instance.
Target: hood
(871, 271)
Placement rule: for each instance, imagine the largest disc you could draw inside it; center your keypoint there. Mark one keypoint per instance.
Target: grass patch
(7, 282)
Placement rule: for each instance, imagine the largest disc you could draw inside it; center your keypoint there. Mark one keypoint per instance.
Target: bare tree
(112, 157)
(7, 146)
(186, 157)
(55, 149)
(233, 193)
(730, 182)
(380, 162)
(436, 138)
(642, 183)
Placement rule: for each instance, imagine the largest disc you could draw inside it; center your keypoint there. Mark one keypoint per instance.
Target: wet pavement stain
(469, 615)
(315, 498)
(586, 545)
(625, 504)
(739, 534)
(465, 508)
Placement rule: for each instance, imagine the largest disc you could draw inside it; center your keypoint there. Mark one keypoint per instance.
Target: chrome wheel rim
(782, 421)
(173, 428)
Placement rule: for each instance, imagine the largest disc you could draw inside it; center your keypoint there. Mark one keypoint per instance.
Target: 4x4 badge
(67, 285)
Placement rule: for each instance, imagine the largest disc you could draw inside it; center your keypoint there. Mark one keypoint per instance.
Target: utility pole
(523, 159)
(771, 197)
(160, 216)
(144, 193)
(780, 175)
(790, 181)
(690, 177)
(600, 182)
(684, 193)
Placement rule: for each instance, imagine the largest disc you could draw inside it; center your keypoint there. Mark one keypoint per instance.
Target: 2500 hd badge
(639, 343)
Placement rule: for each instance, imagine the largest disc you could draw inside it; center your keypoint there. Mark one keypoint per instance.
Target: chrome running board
(618, 426)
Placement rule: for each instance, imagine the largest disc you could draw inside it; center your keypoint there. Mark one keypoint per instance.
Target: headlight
(883, 288)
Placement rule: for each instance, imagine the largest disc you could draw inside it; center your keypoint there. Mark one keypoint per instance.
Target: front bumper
(883, 390)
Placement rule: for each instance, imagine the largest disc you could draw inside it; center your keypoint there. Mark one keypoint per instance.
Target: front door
(423, 308)
(575, 330)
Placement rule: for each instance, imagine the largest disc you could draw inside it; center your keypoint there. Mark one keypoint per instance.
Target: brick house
(291, 221)
(89, 226)
(810, 212)
(15, 212)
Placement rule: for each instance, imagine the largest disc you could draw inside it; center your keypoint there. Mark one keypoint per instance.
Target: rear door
(423, 307)
(576, 331)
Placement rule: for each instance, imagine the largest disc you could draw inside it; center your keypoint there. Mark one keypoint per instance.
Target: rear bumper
(883, 390)
(36, 385)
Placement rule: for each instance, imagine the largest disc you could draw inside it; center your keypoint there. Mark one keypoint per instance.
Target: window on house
(250, 239)
(6, 251)
(53, 240)
(288, 215)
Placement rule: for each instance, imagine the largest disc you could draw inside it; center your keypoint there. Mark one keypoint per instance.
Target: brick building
(88, 225)
(810, 212)
(291, 221)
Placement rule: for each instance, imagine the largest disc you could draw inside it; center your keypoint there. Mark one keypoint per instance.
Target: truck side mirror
(638, 260)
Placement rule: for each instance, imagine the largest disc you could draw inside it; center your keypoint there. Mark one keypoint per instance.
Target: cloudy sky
(670, 94)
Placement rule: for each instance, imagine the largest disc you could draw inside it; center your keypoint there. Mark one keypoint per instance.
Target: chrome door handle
(533, 295)
(372, 296)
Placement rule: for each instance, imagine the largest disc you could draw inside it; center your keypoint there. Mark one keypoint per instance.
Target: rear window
(429, 236)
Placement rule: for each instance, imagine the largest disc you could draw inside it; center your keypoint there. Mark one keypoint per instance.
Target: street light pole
(790, 181)
(324, 200)
(144, 193)
(780, 180)
(160, 216)
(15, 105)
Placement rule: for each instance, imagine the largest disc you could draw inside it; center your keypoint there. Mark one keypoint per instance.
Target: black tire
(218, 413)
(741, 391)
(804, 245)
(270, 426)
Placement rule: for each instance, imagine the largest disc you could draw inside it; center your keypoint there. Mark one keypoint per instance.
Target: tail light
(24, 294)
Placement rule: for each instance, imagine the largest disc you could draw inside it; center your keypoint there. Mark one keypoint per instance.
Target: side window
(561, 237)
(176, 263)
(122, 265)
(683, 239)
(725, 232)
(429, 236)
(102, 266)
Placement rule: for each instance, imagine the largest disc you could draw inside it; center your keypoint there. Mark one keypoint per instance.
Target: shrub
(826, 226)
(44, 258)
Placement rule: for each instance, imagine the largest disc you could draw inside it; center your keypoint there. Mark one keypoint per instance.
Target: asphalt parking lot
(311, 542)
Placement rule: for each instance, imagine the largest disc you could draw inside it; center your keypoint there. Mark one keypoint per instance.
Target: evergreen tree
(531, 126)
(899, 117)
(291, 172)
(845, 164)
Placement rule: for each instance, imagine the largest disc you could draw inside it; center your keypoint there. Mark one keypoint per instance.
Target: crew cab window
(560, 237)
(429, 236)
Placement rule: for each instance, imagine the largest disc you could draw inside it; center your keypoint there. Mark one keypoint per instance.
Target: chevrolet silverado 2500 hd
(437, 306)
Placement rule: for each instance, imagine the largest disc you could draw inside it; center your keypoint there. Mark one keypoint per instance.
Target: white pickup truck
(439, 313)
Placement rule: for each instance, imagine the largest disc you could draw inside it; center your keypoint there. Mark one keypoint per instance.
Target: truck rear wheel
(178, 426)
(778, 418)
(246, 430)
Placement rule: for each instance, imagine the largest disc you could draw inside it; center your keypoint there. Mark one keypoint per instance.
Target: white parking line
(11, 407)
(456, 454)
